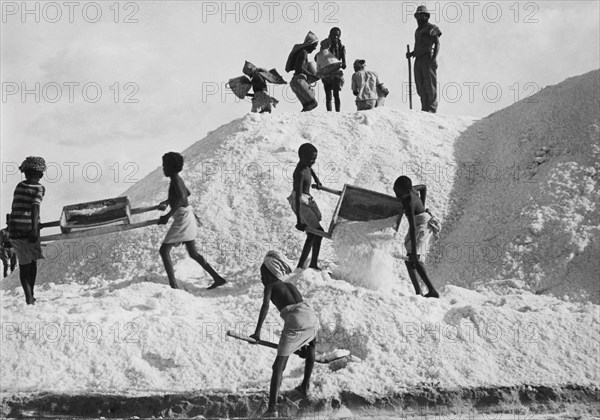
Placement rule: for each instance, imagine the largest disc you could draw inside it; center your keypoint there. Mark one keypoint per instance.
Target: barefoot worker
(419, 230)
(303, 76)
(184, 228)
(300, 324)
(24, 223)
(304, 206)
(333, 82)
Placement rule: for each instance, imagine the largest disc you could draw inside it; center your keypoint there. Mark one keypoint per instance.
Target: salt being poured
(367, 253)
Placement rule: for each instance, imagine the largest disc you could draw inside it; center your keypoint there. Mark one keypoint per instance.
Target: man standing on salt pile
(184, 228)
(24, 223)
(300, 83)
(419, 230)
(333, 82)
(427, 48)
(304, 206)
(299, 329)
(366, 86)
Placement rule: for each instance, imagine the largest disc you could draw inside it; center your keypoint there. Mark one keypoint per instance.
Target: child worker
(304, 206)
(299, 329)
(24, 223)
(415, 242)
(184, 228)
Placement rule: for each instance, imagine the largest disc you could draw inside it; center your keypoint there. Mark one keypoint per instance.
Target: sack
(382, 90)
(240, 86)
(327, 63)
(272, 76)
(291, 61)
(434, 224)
(248, 69)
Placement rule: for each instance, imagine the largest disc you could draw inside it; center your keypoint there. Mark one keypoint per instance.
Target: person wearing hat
(303, 73)
(366, 86)
(24, 223)
(333, 82)
(299, 329)
(427, 48)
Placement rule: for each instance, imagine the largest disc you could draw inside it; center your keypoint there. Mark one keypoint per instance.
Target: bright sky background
(168, 61)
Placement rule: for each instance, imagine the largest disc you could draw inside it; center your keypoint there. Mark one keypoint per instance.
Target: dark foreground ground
(525, 402)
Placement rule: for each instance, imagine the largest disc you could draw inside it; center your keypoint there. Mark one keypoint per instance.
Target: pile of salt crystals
(367, 253)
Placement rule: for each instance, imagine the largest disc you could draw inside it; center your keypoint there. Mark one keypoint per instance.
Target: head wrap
(33, 163)
(277, 264)
(309, 39)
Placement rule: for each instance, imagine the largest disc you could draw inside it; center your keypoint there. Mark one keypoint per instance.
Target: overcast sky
(103, 89)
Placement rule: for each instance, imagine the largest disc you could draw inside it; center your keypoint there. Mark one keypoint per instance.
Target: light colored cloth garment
(183, 228)
(422, 232)
(364, 84)
(304, 92)
(309, 211)
(27, 251)
(277, 264)
(300, 328)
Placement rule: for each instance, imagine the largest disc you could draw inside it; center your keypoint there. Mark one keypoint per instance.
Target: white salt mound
(525, 200)
(106, 320)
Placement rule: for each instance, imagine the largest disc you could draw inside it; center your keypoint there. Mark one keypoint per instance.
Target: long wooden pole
(103, 230)
(409, 78)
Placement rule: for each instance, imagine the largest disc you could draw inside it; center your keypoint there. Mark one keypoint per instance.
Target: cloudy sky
(103, 89)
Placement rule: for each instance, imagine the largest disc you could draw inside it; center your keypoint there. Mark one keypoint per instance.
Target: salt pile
(525, 202)
(133, 334)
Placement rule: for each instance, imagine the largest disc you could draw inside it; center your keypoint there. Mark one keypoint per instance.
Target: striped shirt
(25, 197)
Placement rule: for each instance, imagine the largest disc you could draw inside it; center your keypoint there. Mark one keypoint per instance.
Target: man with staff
(427, 48)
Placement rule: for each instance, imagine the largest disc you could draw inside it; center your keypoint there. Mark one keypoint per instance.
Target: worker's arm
(298, 188)
(316, 178)
(422, 190)
(264, 309)
(436, 49)
(412, 232)
(35, 228)
(177, 200)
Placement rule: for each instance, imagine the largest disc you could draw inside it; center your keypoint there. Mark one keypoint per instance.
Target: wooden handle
(50, 224)
(409, 79)
(243, 337)
(329, 190)
(317, 232)
(97, 231)
(144, 209)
